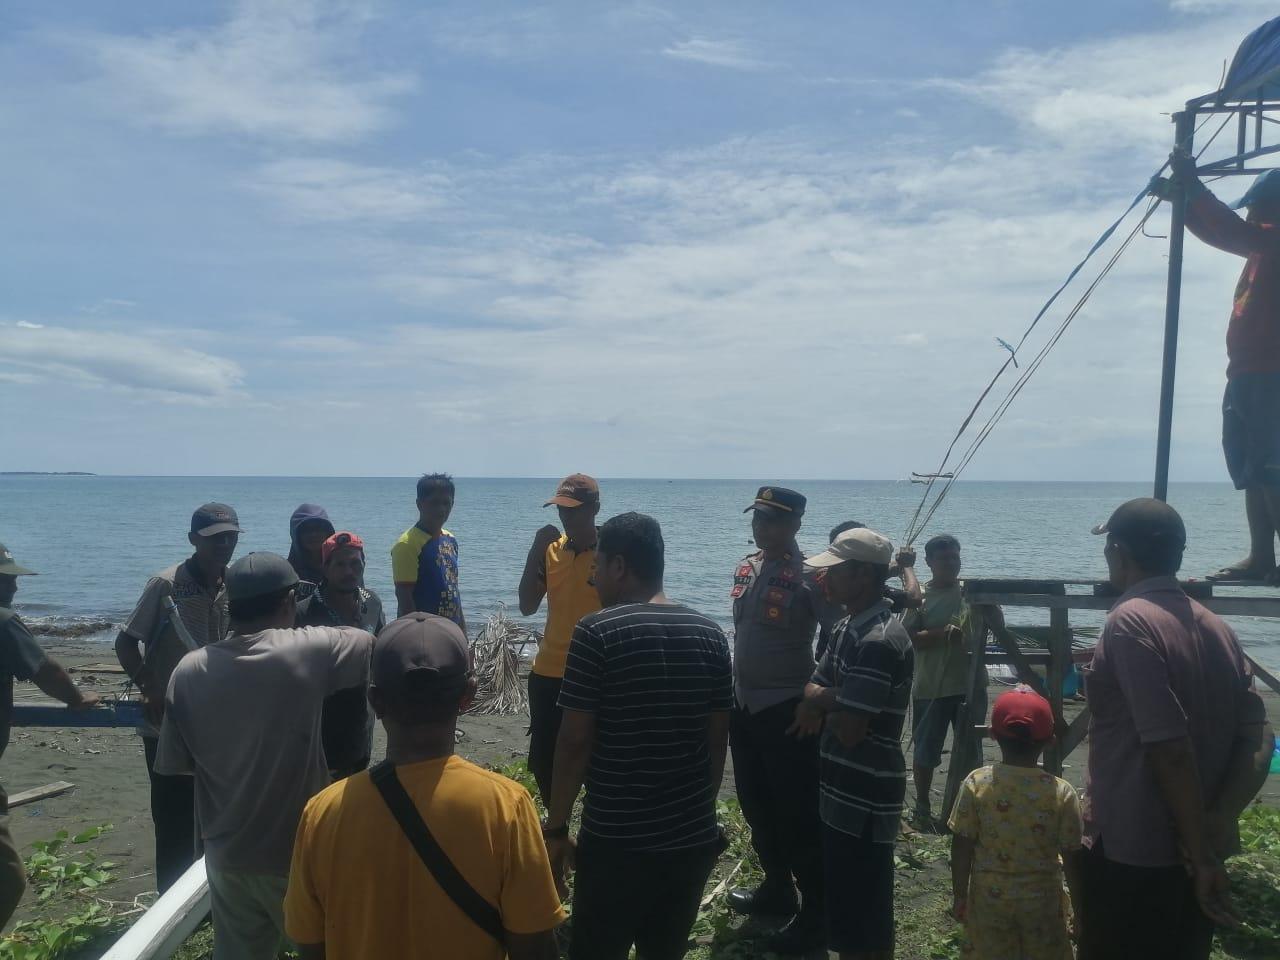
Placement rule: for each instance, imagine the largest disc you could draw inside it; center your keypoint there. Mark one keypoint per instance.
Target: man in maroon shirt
(1178, 747)
(1251, 404)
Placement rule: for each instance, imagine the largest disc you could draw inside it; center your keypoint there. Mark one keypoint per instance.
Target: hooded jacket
(305, 514)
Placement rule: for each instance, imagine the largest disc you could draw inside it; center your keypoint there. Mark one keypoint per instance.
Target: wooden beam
(1262, 674)
(1076, 732)
(1223, 606)
(121, 713)
(1059, 662)
(167, 922)
(40, 793)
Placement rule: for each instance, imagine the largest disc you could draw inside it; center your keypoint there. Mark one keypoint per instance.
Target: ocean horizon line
(88, 475)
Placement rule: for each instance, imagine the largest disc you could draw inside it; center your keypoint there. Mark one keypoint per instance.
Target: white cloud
(324, 189)
(96, 357)
(1109, 95)
(277, 69)
(732, 54)
(28, 325)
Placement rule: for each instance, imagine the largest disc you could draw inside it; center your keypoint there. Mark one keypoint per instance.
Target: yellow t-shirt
(1022, 819)
(358, 885)
(571, 595)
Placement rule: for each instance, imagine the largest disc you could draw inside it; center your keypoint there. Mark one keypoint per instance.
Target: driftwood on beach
(496, 652)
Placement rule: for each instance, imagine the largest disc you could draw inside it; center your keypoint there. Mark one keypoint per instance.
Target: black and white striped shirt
(652, 674)
(869, 663)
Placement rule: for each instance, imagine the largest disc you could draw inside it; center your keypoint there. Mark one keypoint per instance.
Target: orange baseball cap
(575, 490)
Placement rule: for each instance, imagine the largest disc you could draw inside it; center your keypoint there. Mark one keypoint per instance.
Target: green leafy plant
(47, 939)
(56, 869)
(50, 870)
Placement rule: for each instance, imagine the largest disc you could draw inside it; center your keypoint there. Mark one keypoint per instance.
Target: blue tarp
(1256, 66)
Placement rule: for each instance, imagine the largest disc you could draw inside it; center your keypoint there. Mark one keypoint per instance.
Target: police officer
(775, 613)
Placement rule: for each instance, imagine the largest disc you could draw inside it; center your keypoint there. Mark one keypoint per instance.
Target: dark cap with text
(214, 518)
(1145, 521)
(421, 644)
(575, 490)
(778, 500)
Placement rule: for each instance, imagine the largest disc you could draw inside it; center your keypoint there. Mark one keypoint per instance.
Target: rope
(916, 525)
(1021, 382)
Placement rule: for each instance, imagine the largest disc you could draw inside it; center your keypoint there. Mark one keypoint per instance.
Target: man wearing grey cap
(858, 700)
(360, 885)
(243, 715)
(1179, 746)
(149, 647)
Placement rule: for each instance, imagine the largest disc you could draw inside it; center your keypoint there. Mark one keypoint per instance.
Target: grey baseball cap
(258, 574)
(214, 518)
(431, 647)
(9, 568)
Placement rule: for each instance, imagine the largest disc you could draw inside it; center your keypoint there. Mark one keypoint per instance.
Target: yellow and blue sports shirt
(430, 564)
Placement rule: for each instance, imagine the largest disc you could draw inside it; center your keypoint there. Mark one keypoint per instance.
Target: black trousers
(777, 780)
(544, 728)
(622, 898)
(173, 814)
(1130, 912)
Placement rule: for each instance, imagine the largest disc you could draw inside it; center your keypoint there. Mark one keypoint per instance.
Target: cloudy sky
(755, 239)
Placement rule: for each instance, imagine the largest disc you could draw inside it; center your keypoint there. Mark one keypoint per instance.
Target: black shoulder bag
(482, 913)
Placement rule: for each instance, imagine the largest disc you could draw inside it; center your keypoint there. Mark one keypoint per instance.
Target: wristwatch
(554, 833)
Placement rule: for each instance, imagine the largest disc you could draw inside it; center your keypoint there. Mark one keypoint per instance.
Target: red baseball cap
(1022, 714)
(343, 538)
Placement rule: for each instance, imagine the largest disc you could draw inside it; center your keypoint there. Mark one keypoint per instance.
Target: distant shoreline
(46, 473)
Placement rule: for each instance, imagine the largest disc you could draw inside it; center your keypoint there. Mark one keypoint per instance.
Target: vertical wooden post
(1059, 663)
(966, 746)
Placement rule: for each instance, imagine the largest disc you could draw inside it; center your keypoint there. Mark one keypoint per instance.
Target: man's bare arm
(1173, 764)
(718, 735)
(404, 599)
(53, 680)
(1246, 773)
(569, 768)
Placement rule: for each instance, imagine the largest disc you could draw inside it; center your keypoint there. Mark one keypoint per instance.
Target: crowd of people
(262, 678)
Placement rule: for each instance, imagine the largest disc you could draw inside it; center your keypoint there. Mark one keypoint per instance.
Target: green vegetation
(73, 921)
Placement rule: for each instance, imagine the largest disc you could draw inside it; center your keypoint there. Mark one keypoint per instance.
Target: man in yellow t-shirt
(358, 888)
(560, 568)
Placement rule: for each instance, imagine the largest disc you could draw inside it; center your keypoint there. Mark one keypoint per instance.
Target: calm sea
(95, 540)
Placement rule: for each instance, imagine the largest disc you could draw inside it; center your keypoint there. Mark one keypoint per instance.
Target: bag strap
(482, 913)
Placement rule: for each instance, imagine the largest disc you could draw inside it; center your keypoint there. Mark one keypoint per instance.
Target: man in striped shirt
(858, 700)
(647, 694)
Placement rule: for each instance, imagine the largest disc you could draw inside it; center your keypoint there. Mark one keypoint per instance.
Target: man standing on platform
(559, 567)
(775, 612)
(1251, 402)
(195, 586)
(1179, 745)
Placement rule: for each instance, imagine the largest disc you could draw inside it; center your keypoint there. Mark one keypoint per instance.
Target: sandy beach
(109, 773)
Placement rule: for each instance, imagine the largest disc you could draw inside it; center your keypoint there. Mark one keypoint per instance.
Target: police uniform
(775, 613)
